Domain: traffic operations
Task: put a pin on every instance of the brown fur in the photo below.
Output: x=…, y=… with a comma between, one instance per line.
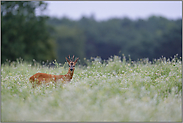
x=39, y=78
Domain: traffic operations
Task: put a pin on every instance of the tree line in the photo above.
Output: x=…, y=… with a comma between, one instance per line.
x=44, y=38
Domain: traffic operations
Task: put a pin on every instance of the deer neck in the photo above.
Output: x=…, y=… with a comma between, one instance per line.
x=70, y=74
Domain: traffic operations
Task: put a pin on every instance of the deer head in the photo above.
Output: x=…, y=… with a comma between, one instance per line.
x=71, y=63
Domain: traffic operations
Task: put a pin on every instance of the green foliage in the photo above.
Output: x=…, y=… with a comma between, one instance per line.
x=70, y=41
x=117, y=89
x=44, y=39
x=150, y=38
x=24, y=34
x=170, y=42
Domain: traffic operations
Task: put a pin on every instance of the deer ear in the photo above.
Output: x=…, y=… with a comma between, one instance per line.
x=67, y=60
x=76, y=60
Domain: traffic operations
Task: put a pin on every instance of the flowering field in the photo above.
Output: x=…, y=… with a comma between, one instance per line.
x=112, y=90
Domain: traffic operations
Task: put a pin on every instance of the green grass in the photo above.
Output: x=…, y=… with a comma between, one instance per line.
x=115, y=90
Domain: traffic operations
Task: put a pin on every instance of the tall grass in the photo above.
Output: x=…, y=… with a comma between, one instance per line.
x=112, y=90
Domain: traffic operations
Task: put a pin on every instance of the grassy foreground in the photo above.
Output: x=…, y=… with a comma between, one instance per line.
x=115, y=90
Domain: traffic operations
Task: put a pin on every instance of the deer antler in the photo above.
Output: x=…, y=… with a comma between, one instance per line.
x=69, y=58
x=73, y=58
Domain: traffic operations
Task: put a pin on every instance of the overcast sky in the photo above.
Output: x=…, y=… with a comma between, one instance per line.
x=103, y=10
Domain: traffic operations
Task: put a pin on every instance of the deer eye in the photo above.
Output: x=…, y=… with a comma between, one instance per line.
x=72, y=65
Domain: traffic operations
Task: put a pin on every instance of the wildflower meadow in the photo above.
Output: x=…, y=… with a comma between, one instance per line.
x=117, y=89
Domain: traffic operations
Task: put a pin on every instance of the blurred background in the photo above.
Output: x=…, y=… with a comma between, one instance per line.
x=44, y=31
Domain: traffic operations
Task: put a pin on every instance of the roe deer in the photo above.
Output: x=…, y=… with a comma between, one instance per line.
x=39, y=78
